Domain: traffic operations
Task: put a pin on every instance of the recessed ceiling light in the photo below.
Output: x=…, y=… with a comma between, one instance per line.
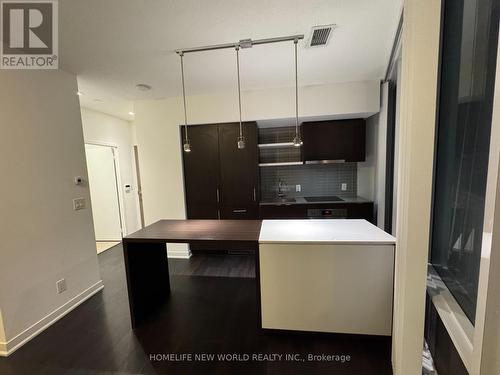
x=142, y=87
x=131, y=113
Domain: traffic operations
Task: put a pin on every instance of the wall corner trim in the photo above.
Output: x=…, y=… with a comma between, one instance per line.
x=9, y=347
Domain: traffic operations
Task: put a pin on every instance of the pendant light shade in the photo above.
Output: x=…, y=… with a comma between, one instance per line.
x=297, y=141
x=187, y=144
x=241, y=138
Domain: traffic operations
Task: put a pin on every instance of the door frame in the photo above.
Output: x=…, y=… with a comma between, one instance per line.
x=118, y=179
x=138, y=183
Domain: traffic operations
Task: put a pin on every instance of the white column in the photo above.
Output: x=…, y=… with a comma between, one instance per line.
x=486, y=351
x=420, y=50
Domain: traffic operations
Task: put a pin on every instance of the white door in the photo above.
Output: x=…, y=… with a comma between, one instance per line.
x=104, y=192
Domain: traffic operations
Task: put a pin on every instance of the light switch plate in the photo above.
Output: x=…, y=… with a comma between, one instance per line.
x=78, y=204
x=61, y=286
x=298, y=188
x=344, y=187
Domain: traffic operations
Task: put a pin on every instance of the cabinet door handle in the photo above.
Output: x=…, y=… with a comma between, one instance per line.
x=218, y=195
x=254, y=195
x=239, y=211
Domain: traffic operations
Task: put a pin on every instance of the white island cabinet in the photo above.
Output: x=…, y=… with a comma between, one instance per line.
x=326, y=276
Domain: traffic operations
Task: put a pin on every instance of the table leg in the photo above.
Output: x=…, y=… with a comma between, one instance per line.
x=148, y=283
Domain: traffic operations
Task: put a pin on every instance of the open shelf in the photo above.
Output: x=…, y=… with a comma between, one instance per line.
x=275, y=148
x=276, y=145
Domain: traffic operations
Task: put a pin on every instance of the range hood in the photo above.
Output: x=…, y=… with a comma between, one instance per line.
x=336, y=161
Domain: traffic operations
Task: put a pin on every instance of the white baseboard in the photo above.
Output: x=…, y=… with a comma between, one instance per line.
x=9, y=347
x=178, y=250
x=179, y=254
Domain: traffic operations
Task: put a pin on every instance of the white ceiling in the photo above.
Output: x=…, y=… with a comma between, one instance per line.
x=114, y=44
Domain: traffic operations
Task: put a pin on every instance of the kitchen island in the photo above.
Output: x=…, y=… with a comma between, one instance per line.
x=312, y=275
x=326, y=276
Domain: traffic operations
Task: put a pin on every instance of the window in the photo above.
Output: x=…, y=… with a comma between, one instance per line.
x=467, y=76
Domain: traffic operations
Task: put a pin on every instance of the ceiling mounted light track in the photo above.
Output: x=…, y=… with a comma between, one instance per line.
x=243, y=43
x=187, y=144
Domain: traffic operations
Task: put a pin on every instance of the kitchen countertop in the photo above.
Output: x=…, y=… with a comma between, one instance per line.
x=323, y=231
x=301, y=200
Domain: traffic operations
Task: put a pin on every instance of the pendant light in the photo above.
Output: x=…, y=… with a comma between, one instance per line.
x=241, y=139
x=187, y=144
x=297, y=141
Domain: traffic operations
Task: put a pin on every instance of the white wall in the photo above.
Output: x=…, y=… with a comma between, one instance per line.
x=101, y=128
x=367, y=169
x=397, y=150
x=43, y=239
x=371, y=173
x=418, y=81
x=2, y=330
x=158, y=136
x=380, y=173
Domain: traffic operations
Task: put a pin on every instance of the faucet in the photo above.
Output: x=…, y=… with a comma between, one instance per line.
x=281, y=192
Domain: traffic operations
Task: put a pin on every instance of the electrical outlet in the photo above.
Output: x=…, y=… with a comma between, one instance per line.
x=298, y=188
x=78, y=204
x=61, y=286
x=344, y=187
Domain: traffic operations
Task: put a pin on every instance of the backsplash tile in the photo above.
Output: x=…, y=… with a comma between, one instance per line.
x=280, y=155
x=315, y=180
x=277, y=134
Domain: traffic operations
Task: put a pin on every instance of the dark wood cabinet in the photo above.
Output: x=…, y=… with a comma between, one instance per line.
x=249, y=212
x=336, y=140
x=291, y=211
x=220, y=180
x=239, y=173
x=361, y=210
x=201, y=172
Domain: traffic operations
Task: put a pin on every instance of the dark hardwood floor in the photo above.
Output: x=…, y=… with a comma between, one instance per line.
x=215, y=266
x=205, y=314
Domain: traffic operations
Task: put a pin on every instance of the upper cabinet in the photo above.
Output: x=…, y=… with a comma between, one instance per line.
x=336, y=140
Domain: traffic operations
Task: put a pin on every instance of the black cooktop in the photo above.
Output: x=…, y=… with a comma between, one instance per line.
x=332, y=198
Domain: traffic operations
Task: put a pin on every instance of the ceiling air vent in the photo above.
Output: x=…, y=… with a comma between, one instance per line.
x=321, y=35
